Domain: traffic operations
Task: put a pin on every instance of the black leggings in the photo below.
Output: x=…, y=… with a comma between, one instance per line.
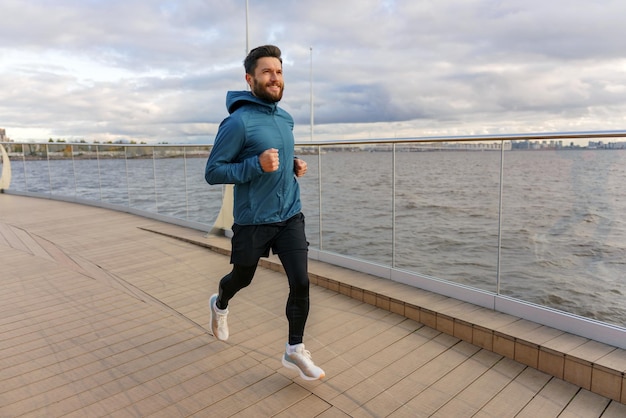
x=297, y=309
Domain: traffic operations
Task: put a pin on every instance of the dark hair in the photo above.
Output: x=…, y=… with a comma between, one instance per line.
x=260, y=52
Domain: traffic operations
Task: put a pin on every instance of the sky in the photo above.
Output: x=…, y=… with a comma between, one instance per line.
x=157, y=71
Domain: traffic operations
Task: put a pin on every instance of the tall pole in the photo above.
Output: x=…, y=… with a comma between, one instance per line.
x=247, y=34
x=311, y=82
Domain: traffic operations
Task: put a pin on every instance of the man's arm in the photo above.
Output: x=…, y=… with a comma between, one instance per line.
x=223, y=166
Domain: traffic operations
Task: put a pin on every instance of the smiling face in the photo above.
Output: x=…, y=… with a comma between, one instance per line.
x=267, y=81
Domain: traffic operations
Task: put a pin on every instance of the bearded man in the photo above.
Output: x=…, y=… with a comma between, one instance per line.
x=254, y=150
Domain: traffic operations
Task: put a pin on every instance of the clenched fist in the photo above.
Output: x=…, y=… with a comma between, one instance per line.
x=299, y=167
x=269, y=160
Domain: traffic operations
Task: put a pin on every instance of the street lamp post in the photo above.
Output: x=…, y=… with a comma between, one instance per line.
x=311, y=82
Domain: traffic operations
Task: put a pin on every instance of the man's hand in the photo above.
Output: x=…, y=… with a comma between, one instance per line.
x=299, y=167
x=269, y=160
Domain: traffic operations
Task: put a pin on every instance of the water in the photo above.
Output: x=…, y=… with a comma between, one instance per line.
x=563, y=229
x=563, y=226
x=168, y=186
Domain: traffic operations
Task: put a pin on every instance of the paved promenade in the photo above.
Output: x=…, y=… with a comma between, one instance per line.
x=104, y=313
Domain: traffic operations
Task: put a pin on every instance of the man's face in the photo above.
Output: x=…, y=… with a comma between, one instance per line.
x=267, y=82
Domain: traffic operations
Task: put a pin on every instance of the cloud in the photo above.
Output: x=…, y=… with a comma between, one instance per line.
x=158, y=71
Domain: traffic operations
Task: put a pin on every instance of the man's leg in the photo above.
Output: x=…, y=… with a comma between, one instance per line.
x=237, y=279
x=297, y=309
x=233, y=282
x=249, y=243
x=292, y=249
x=296, y=357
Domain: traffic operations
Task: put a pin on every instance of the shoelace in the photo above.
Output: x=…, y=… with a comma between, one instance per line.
x=221, y=319
x=306, y=355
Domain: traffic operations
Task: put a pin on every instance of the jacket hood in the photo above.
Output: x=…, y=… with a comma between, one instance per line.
x=236, y=99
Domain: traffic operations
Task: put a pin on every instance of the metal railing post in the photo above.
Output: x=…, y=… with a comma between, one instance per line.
x=393, y=206
x=49, y=171
x=500, y=218
x=74, y=171
x=99, y=175
x=186, y=187
x=319, y=180
x=127, y=176
x=156, y=191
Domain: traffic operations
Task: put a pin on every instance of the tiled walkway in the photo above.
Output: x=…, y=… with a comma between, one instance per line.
x=104, y=313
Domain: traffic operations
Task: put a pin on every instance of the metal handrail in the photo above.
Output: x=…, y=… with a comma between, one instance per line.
x=584, y=135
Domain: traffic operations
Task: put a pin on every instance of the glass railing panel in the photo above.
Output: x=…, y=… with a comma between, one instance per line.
x=356, y=184
x=36, y=169
x=181, y=190
x=139, y=161
x=171, y=181
x=203, y=200
x=85, y=161
x=113, y=174
x=447, y=211
x=61, y=169
x=310, y=192
x=564, y=234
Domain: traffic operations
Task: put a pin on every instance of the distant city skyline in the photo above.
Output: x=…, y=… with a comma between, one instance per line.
x=495, y=145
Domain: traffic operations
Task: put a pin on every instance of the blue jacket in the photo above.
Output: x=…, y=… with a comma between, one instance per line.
x=254, y=126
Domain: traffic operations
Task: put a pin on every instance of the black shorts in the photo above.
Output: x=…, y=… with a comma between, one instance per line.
x=251, y=242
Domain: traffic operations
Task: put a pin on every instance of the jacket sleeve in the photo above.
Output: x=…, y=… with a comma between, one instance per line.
x=225, y=166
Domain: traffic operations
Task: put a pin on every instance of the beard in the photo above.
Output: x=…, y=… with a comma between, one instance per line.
x=261, y=92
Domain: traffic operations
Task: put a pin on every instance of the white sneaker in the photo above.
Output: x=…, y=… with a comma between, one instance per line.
x=219, y=326
x=301, y=361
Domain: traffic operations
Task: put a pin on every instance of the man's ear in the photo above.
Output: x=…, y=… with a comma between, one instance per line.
x=249, y=79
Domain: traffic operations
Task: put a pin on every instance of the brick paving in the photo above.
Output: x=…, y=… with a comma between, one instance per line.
x=104, y=313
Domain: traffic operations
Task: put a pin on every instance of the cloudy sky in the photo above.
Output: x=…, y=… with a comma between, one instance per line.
x=158, y=70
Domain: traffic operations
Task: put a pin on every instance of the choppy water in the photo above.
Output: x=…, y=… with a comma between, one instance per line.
x=563, y=239
x=563, y=223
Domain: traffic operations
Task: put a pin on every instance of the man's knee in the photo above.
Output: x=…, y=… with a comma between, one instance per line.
x=243, y=274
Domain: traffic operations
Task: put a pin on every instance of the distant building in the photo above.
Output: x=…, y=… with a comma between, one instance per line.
x=608, y=145
x=3, y=135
